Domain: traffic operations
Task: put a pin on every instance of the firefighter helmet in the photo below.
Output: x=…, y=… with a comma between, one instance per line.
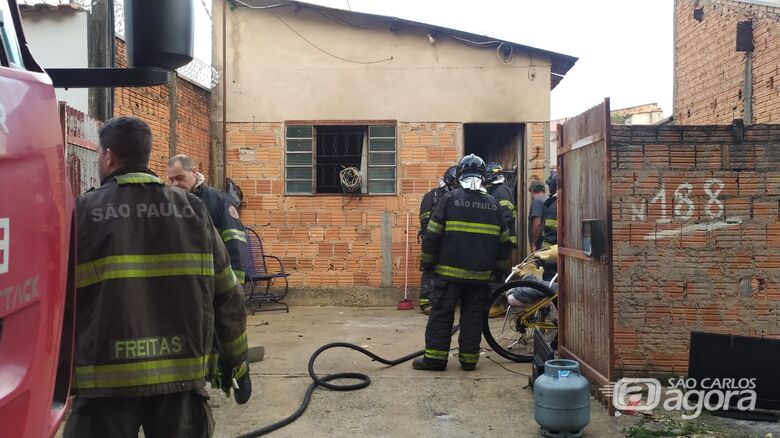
x=552, y=182
x=450, y=176
x=494, y=173
x=472, y=166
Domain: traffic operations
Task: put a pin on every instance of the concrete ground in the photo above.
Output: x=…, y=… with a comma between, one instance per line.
x=400, y=402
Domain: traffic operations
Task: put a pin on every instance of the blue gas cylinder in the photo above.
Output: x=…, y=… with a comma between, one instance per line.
x=562, y=399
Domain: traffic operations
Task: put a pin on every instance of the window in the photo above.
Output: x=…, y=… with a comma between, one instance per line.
x=10, y=54
x=316, y=155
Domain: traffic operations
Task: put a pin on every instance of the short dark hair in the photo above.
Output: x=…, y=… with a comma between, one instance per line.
x=129, y=138
x=536, y=187
x=185, y=161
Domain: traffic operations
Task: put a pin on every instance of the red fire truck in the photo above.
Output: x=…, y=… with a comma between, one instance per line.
x=37, y=246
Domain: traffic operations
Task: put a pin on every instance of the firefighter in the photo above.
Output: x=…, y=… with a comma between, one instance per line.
x=550, y=226
x=182, y=173
x=427, y=206
x=154, y=288
x=496, y=187
x=466, y=240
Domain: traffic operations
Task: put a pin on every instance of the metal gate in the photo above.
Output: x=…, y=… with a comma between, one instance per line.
x=584, y=238
x=81, y=139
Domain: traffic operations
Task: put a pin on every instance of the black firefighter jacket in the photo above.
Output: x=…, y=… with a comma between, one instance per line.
x=467, y=237
x=154, y=286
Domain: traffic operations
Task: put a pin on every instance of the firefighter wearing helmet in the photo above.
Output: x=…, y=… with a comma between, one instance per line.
x=496, y=186
x=448, y=182
x=465, y=242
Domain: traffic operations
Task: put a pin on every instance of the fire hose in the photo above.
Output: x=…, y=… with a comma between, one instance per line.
x=324, y=381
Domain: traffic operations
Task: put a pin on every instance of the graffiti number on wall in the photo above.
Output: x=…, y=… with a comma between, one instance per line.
x=683, y=206
x=713, y=198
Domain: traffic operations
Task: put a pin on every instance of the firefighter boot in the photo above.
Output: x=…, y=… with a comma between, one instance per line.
x=425, y=364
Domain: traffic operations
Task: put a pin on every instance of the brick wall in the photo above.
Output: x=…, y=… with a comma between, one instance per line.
x=696, y=239
x=335, y=240
x=709, y=72
x=152, y=104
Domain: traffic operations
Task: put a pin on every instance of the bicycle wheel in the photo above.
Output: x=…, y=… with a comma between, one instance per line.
x=507, y=334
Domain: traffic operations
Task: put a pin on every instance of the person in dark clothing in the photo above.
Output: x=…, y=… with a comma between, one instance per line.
x=426, y=210
x=466, y=240
x=550, y=226
x=496, y=187
x=183, y=174
x=535, y=215
x=154, y=290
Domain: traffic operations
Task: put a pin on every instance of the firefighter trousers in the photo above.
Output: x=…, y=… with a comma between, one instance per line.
x=473, y=299
x=181, y=414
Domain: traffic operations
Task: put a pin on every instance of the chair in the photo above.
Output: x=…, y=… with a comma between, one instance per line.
x=257, y=272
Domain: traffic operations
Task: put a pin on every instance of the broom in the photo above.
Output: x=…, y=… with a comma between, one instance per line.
x=406, y=303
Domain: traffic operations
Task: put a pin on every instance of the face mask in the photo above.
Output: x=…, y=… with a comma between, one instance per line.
x=472, y=183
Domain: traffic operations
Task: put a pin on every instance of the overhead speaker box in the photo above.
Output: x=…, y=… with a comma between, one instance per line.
x=158, y=33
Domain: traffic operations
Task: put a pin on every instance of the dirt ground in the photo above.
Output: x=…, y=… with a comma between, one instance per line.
x=400, y=402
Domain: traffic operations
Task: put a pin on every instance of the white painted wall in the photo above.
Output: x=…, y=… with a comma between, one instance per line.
x=58, y=39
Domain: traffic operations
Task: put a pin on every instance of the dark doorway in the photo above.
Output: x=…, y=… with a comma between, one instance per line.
x=499, y=142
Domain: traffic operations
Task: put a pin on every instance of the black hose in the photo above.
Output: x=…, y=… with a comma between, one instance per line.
x=324, y=381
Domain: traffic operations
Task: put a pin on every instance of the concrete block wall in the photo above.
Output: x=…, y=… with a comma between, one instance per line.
x=153, y=105
x=336, y=240
x=696, y=239
x=710, y=73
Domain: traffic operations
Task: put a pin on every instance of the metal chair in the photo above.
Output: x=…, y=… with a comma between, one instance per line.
x=257, y=272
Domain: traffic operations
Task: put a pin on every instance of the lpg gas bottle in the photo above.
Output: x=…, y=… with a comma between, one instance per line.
x=562, y=399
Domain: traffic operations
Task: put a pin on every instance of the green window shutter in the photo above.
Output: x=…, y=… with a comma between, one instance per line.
x=381, y=159
x=299, y=159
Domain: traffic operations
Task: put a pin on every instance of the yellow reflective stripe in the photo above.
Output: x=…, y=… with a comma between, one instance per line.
x=436, y=354
x=451, y=271
x=141, y=373
x=505, y=237
x=233, y=234
x=435, y=227
x=427, y=258
x=425, y=215
x=473, y=227
x=552, y=223
x=235, y=347
x=506, y=204
x=140, y=266
x=240, y=275
x=225, y=280
x=424, y=301
x=468, y=357
x=137, y=178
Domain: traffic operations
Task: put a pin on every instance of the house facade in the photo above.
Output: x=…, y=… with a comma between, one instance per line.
x=725, y=62
x=320, y=90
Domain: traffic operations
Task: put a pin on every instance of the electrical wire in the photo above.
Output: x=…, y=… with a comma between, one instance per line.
x=278, y=5
x=502, y=366
x=205, y=8
x=325, y=51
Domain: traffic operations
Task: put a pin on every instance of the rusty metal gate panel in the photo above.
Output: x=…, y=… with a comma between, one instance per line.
x=81, y=140
x=586, y=311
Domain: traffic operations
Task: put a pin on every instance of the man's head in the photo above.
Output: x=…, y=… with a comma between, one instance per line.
x=124, y=142
x=536, y=189
x=182, y=172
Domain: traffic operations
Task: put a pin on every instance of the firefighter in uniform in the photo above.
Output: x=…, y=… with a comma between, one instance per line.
x=427, y=206
x=182, y=173
x=550, y=226
x=497, y=188
x=466, y=240
x=154, y=288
